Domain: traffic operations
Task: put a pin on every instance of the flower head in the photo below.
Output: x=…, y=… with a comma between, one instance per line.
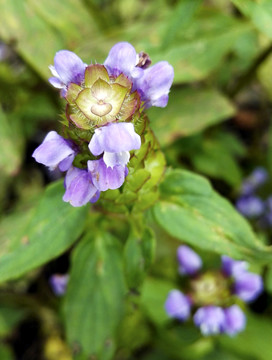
x=251, y=206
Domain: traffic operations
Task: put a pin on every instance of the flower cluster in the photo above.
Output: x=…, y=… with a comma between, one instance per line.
x=213, y=295
x=250, y=204
x=104, y=103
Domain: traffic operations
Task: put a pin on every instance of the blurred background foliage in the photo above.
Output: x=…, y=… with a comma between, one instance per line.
x=217, y=124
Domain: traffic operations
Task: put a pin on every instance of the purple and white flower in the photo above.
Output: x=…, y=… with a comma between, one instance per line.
x=55, y=151
x=68, y=68
x=189, y=261
x=178, y=305
x=104, y=177
x=79, y=187
x=115, y=141
x=235, y=320
x=210, y=320
x=152, y=83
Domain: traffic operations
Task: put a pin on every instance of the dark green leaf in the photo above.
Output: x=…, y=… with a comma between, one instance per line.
x=93, y=305
x=47, y=232
x=191, y=211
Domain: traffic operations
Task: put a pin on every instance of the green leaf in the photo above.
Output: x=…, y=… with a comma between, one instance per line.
x=259, y=12
x=48, y=231
x=11, y=144
x=138, y=256
x=191, y=211
x=57, y=24
x=190, y=111
x=93, y=305
x=154, y=294
x=255, y=341
x=9, y=317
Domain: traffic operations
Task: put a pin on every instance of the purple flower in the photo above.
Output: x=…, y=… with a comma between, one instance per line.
x=68, y=68
x=55, y=151
x=105, y=177
x=115, y=141
x=59, y=283
x=123, y=58
x=79, y=187
x=152, y=83
x=250, y=206
x=248, y=286
x=235, y=320
x=258, y=177
x=232, y=267
x=178, y=305
x=210, y=320
x=189, y=261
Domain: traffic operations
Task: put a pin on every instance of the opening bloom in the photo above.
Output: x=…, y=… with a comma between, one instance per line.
x=79, y=187
x=68, y=68
x=55, y=151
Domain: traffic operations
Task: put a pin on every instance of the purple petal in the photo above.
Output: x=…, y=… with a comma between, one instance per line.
x=189, y=261
x=115, y=138
x=56, y=82
x=258, y=177
x=178, y=305
x=155, y=84
x=250, y=206
x=122, y=58
x=69, y=67
x=235, y=320
x=232, y=267
x=248, y=286
x=79, y=187
x=104, y=177
x=59, y=283
x=210, y=320
x=54, y=151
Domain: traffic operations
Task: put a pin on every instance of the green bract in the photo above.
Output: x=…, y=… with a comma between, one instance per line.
x=101, y=99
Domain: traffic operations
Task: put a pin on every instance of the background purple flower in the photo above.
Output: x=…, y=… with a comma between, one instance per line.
x=257, y=178
x=248, y=286
x=68, y=68
x=59, y=283
x=189, y=261
x=55, y=151
x=232, y=267
x=250, y=206
x=210, y=320
x=235, y=320
x=178, y=305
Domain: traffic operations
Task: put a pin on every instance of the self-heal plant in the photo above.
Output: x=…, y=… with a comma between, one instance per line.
x=105, y=119
x=214, y=296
